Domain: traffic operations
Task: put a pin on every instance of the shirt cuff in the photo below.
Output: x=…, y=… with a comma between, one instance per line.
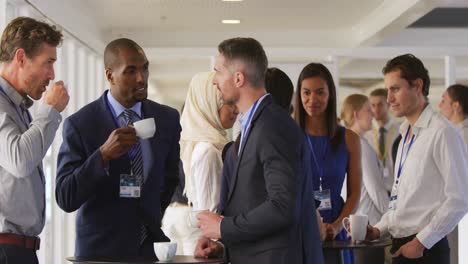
x=428, y=238
x=383, y=228
x=49, y=111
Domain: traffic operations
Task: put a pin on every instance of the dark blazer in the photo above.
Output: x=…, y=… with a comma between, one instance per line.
x=107, y=225
x=268, y=216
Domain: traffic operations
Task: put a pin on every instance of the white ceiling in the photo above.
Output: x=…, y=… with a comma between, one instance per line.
x=180, y=36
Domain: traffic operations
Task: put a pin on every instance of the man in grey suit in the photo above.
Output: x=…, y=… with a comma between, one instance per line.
x=28, y=50
x=262, y=221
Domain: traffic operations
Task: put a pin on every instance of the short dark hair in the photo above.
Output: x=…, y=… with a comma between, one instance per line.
x=27, y=34
x=411, y=68
x=379, y=92
x=278, y=84
x=251, y=53
x=319, y=70
x=112, y=50
x=459, y=93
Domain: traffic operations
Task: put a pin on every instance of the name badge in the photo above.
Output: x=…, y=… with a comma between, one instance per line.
x=129, y=186
x=324, y=196
x=392, y=204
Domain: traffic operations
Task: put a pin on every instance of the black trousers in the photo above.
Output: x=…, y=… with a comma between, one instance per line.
x=438, y=254
x=10, y=254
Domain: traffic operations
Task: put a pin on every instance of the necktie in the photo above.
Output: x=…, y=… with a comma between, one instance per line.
x=382, y=141
x=136, y=160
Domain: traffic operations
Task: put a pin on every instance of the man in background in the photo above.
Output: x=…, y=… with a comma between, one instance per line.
x=383, y=134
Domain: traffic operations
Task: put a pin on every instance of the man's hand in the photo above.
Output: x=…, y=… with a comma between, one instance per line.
x=119, y=142
x=57, y=96
x=331, y=230
x=372, y=233
x=210, y=224
x=207, y=248
x=411, y=250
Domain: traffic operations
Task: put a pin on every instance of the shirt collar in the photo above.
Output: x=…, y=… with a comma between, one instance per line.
x=15, y=97
x=118, y=108
x=422, y=122
x=243, y=117
x=387, y=125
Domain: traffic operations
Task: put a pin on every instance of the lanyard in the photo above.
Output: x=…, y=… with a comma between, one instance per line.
x=16, y=109
x=402, y=162
x=383, y=155
x=247, y=123
x=319, y=168
x=131, y=154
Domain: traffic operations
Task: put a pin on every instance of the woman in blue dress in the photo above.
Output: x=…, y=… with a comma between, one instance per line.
x=335, y=153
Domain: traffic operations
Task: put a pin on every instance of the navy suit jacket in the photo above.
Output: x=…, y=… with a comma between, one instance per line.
x=107, y=225
x=268, y=201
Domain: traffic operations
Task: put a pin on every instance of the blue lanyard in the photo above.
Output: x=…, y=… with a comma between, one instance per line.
x=319, y=168
x=247, y=124
x=131, y=154
x=402, y=152
x=16, y=109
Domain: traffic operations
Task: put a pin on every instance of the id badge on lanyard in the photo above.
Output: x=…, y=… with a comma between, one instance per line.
x=394, y=194
x=324, y=196
x=129, y=186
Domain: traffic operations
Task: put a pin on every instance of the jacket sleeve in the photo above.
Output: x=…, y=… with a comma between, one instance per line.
x=171, y=175
x=78, y=174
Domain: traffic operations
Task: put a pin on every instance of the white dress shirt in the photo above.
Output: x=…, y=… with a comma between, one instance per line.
x=433, y=182
x=206, y=169
x=374, y=198
x=391, y=133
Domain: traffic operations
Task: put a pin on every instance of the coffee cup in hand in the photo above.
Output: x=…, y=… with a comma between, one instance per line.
x=192, y=218
x=57, y=96
x=145, y=128
x=358, y=226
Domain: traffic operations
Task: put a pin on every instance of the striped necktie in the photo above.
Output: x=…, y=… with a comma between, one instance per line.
x=136, y=160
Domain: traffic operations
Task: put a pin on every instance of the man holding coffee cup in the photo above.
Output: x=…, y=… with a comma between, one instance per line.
x=428, y=196
x=28, y=50
x=112, y=169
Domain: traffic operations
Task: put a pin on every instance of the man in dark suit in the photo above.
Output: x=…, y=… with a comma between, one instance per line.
x=101, y=156
x=265, y=217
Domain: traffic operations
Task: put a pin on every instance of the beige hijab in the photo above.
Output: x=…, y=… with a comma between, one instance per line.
x=200, y=121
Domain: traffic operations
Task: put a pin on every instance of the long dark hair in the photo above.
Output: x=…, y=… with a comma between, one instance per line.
x=319, y=70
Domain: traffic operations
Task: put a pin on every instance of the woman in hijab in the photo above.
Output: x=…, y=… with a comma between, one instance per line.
x=204, y=122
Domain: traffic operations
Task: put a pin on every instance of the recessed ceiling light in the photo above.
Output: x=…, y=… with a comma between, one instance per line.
x=233, y=0
x=231, y=21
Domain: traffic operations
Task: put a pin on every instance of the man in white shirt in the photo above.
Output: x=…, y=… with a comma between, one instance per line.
x=427, y=199
x=383, y=134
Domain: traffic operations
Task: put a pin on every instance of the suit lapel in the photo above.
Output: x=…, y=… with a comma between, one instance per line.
x=266, y=101
x=107, y=122
x=107, y=119
x=150, y=113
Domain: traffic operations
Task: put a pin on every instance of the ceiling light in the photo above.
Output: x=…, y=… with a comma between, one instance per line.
x=231, y=21
x=233, y=0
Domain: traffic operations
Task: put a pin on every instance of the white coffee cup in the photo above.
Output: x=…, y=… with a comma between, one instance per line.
x=145, y=128
x=358, y=226
x=192, y=218
x=165, y=251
